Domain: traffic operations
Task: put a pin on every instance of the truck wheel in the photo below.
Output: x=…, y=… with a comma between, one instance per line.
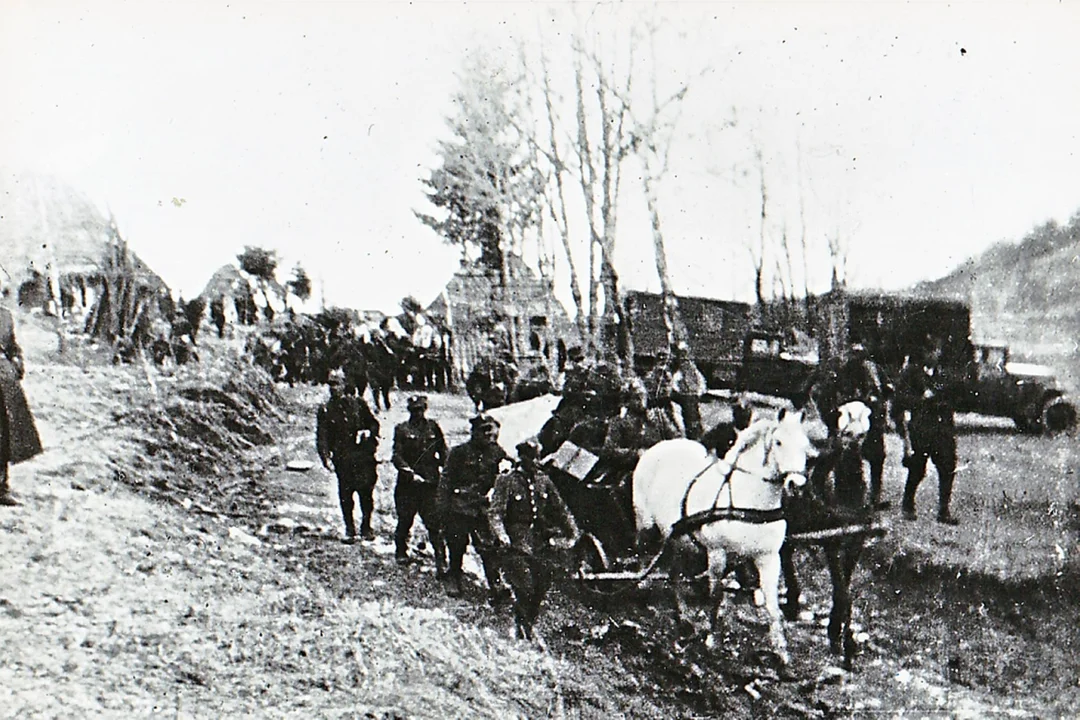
x=1058, y=416
x=1027, y=425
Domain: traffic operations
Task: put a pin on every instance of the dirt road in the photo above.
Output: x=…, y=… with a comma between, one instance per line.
x=125, y=594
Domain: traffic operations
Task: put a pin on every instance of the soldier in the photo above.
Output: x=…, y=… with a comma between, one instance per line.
x=660, y=385
x=923, y=411
x=490, y=383
x=527, y=514
x=466, y=481
x=722, y=436
x=637, y=430
x=628, y=436
x=839, y=382
x=347, y=436
x=575, y=374
x=419, y=454
x=19, y=439
x=567, y=414
x=687, y=387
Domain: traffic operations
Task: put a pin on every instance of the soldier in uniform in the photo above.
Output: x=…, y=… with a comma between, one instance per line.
x=527, y=514
x=419, y=454
x=721, y=437
x=467, y=478
x=637, y=430
x=923, y=411
x=687, y=387
x=660, y=385
x=492, y=381
x=575, y=374
x=842, y=381
x=347, y=436
x=567, y=414
x=628, y=436
x=19, y=439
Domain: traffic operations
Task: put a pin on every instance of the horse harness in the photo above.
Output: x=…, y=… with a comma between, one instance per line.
x=692, y=522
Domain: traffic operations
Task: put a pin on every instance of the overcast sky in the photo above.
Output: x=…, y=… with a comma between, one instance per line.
x=919, y=132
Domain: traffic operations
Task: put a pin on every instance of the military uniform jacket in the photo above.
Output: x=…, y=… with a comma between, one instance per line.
x=419, y=451
x=530, y=509
x=688, y=380
x=339, y=426
x=468, y=477
x=631, y=433
x=23, y=440
x=660, y=383
x=927, y=393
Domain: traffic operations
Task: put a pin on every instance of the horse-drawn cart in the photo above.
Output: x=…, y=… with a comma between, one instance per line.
x=708, y=509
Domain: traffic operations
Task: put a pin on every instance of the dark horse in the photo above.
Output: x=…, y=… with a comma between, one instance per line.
x=835, y=510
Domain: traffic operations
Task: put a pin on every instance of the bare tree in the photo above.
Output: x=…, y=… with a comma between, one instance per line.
x=838, y=254
x=652, y=141
x=757, y=248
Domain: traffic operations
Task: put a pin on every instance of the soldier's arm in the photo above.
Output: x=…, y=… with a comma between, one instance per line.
x=564, y=517
x=500, y=496
x=903, y=401
x=397, y=456
x=440, y=444
x=13, y=351
x=322, y=444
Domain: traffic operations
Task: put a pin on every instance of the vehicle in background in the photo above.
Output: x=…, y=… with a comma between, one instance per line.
x=1026, y=392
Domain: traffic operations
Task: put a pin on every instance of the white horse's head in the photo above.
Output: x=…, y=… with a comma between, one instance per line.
x=854, y=421
x=781, y=445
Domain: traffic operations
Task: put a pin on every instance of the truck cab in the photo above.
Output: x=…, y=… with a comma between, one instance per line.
x=1028, y=393
x=771, y=366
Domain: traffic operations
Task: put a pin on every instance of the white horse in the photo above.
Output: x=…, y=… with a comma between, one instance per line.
x=727, y=506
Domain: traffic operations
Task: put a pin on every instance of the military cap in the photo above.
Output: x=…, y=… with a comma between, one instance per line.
x=417, y=402
x=528, y=449
x=484, y=422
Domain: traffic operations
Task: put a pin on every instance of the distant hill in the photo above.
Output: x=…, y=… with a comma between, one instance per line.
x=35, y=207
x=1025, y=293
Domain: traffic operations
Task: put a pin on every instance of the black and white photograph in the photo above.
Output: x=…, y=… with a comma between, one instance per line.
x=406, y=360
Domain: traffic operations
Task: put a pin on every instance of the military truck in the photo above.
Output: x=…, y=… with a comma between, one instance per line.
x=1026, y=392
x=896, y=328
x=772, y=365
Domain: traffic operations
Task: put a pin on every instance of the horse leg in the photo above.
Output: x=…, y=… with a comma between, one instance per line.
x=680, y=570
x=768, y=566
x=717, y=568
x=792, y=605
x=842, y=559
x=854, y=551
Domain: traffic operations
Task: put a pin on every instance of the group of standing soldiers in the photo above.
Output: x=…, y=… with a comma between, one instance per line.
x=921, y=407
x=472, y=493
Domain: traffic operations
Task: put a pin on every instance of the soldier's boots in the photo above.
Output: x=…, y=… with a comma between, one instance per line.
x=454, y=587
x=947, y=518
x=401, y=551
x=6, y=500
